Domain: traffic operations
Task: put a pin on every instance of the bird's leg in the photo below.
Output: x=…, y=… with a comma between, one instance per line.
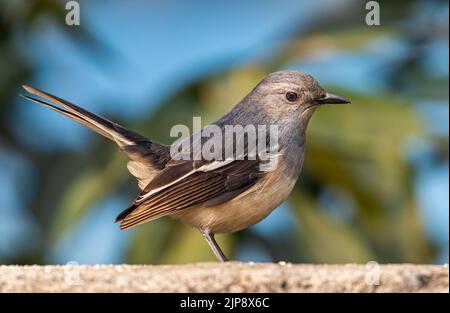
x=213, y=245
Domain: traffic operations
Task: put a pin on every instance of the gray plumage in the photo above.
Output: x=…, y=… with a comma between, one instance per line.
x=212, y=195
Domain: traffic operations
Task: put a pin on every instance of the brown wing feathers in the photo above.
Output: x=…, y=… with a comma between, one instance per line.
x=171, y=198
x=172, y=201
x=208, y=188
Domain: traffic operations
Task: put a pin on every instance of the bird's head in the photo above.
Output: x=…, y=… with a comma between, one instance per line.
x=291, y=94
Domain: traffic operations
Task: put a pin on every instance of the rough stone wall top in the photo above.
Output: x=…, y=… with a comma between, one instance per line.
x=228, y=277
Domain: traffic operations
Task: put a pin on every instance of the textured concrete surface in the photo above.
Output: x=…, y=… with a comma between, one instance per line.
x=229, y=277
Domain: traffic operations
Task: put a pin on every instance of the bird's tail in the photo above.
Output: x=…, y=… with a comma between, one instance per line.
x=147, y=157
x=122, y=136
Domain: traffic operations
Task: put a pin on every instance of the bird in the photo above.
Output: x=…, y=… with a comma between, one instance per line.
x=215, y=195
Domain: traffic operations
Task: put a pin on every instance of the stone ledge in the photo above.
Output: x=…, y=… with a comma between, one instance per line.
x=228, y=277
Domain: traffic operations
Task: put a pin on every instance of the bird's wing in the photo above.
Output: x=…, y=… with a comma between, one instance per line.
x=191, y=183
x=147, y=157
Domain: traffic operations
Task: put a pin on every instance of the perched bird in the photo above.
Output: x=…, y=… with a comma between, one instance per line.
x=215, y=196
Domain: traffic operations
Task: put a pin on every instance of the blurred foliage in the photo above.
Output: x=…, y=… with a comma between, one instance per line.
x=355, y=149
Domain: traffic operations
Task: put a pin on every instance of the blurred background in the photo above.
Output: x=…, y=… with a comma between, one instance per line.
x=376, y=176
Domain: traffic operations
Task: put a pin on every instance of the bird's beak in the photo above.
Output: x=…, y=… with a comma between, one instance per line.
x=331, y=98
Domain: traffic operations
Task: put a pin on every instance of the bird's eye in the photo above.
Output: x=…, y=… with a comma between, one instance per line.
x=291, y=96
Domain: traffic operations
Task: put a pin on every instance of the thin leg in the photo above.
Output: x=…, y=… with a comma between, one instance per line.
x=213, y=245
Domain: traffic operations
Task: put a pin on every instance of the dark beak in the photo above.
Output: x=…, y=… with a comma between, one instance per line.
x=331, y=98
